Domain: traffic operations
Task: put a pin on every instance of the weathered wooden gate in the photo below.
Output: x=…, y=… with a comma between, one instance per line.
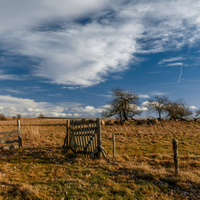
x=84, y=137
x=9, y=134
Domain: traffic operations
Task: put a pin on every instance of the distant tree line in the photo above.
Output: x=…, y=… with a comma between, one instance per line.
x=125, y=104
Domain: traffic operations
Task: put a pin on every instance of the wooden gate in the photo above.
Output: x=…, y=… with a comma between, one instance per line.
x=84, y=137
x=9, y=134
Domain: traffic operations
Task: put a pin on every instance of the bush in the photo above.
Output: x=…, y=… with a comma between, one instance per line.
x=2, y=117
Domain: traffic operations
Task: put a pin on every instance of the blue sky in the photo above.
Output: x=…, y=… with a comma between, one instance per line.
x=62, y=58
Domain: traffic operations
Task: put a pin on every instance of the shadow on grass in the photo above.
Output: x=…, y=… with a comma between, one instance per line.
x=45, y=155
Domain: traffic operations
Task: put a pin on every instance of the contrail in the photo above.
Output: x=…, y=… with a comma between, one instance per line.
x=180, y=74
x=181, y=70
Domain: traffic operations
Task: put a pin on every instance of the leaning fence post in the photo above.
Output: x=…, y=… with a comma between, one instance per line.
x=175, y=150
x=19, y=133
x=67, y=136
x=113, y=137
x=66, y=141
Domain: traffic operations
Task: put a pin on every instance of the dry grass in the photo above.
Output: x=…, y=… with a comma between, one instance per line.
x=143, y=167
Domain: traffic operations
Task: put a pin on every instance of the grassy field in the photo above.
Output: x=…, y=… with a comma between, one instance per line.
x=143, y=167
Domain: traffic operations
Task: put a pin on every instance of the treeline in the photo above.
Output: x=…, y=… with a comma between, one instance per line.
x=125, y=104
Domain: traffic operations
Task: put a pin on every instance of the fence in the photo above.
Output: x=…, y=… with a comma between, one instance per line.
x=84, y=138
x=9, y=134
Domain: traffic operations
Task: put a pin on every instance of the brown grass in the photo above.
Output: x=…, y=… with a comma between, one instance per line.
x=143, y=167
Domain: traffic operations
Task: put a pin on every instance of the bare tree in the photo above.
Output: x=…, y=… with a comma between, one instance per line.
x=178, y=109
x=157, y=104
x=19, y=116
x=124, y=104
x=197, y=112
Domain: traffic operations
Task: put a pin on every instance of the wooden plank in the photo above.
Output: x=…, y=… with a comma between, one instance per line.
x=78, y=141
x=7, y=132
x=87, y=134
x=68, y=124
x=82, y=138
x=99, y=138
x=8, y=142
x=93, y=139
x=88, y=149
x=66, y=140
x=75, y=139
x=9, y=135
x=81, y=129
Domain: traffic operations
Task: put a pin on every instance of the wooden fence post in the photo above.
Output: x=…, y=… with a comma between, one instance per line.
x=113, y=137
x=99, y=138
x=67, y=129
x=66, y=141
x=19, y=133
x=175, y=150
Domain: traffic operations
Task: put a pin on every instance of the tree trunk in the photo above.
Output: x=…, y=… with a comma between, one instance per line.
x=125, y=116
x=159, y=114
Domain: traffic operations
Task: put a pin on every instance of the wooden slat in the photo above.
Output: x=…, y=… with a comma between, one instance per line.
x=99, y=138
x=93, y=139
x=7, y=132
x=8, y=142
x=82, y=139
x=76, y=129
x=83, y=134
x=9, y=135
x=79, y=141
x=89, y=139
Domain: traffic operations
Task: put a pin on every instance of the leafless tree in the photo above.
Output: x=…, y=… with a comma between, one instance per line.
x=124, y=104
x=178, y=109
x=19, y=116
x=197, y=112
x=157, y=104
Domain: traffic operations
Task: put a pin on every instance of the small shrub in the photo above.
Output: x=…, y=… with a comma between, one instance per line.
x=2, y=117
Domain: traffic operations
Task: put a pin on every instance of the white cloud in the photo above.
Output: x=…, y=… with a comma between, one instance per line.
x=144, y=96
x=193, y=107
x=164, y=61
x=174, y=64
x=11, y=106
x=145, y=103
x=158, y=93
x=87, y=110
x=78, y=54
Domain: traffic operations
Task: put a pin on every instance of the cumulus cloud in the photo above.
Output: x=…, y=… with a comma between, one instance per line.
x=193, y=107
x=11, y=106
x=80, y=43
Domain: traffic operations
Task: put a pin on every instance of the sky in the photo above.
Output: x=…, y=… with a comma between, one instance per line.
x=62, y=58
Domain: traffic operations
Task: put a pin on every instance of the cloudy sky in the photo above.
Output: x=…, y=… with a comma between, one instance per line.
x=62, y=58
